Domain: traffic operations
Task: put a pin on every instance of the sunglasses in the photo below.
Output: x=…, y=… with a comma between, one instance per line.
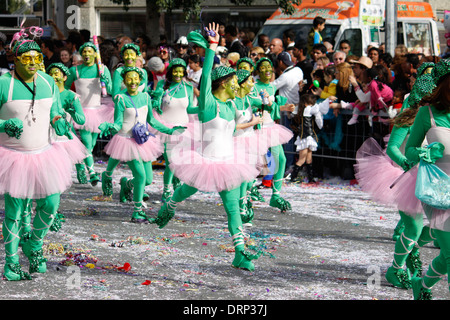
x=28, y=59
x=253, y=54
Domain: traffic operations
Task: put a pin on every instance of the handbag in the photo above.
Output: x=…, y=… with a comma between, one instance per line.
x=433, y=186
x=140, y=130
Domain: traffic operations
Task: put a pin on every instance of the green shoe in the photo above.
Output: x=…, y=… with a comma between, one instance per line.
x=419, y=292
x=57, y=222
x=414, y=264
x=24, y=238
x=126, y=193
x=94, y=179
x=243, y=260
x=247, y=218
x=166, y=196
x=256, y=195
x=107, y=186
x=176, y=183
x=399, y=278
x=280, y=203
x=139, y=217
x=81, y=175
x=164, y=216
x=36, y=257
x=13, y=272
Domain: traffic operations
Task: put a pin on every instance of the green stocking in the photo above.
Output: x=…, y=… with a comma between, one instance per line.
x=441, y=264
x=14, y=209
x=168, y=177
x=46, y=210
x=25, y=222
x=107, y=186
x=89, y=140
x=242, y=258
x=81, y=173
x=167, y=211
x=280, y=163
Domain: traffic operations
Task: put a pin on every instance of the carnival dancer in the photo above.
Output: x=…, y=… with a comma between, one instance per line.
x=248, y=117
x=172, y=104
x=390, y=178
x=216, y=163
x=133, y=106
x=129, y=53
x=433, y=123
x=276, y=134
x=31, y=167
x=87, y=79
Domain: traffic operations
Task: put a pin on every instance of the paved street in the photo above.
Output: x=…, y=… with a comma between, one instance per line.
x=334, y=245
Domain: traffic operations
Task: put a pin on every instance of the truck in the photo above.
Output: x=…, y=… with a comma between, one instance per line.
x=362, y=22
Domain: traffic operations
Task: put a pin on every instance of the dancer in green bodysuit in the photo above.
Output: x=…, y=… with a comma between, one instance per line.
x=31, y=167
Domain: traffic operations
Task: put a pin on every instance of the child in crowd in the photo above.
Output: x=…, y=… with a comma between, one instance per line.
x=330, y=84
x=309, y=112
x=378, y=96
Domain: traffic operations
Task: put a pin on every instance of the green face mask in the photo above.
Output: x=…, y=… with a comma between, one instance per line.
x=132, y=81
x=89, y=56
x=265, y=71
x=177, y=74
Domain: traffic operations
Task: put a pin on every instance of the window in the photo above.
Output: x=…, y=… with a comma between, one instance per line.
x=354, y=36
x=418, y=37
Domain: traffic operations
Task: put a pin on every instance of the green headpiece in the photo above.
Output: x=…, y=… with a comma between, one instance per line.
x=423, y=86
x=261, y=60
x=424, y=66
x=25, y=46
x=441, y=69
x=221, y=72
x=129, y=69
x=177, y=62
x=87, y=44
x=130, y=46
x=198, y=39
x=242, y=75
x=60, y=66
x=246, y=59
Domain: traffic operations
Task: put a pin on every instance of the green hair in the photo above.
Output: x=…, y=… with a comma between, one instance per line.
x=21, y=47
x=246, y=59
x=242, y=75
x=260, y=61
x=125, y=70
x=87, y=44
x=130, y=46
x=60, y=66
x=177, y=62
x=221, y=73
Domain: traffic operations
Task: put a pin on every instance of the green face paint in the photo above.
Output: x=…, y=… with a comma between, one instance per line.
x=129, y=57
x=231, y=87
x=28, y=64
x=132, y=81
x=248, y=85
x=245, y=66
x=57, y=75
x=89, y=56
x=177, y=74
x=265, y=71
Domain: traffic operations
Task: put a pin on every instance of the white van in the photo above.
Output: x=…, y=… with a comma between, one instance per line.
x=361, y=23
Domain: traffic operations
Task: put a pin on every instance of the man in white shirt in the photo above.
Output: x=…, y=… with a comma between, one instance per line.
x=287, y=86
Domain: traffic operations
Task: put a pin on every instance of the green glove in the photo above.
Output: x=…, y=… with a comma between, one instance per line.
x=406, y=165
x=12, y=127
x=62, y=128
x=432, y=152
x=106, y=129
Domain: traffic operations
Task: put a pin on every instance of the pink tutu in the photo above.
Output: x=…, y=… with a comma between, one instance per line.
x=35, y=175
x=95, y=117
x=212, y=175
x=126, y=149
x=276, y=134
x=75, y=149
x=256, y=143
x=107, y=101
x=376, y=173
